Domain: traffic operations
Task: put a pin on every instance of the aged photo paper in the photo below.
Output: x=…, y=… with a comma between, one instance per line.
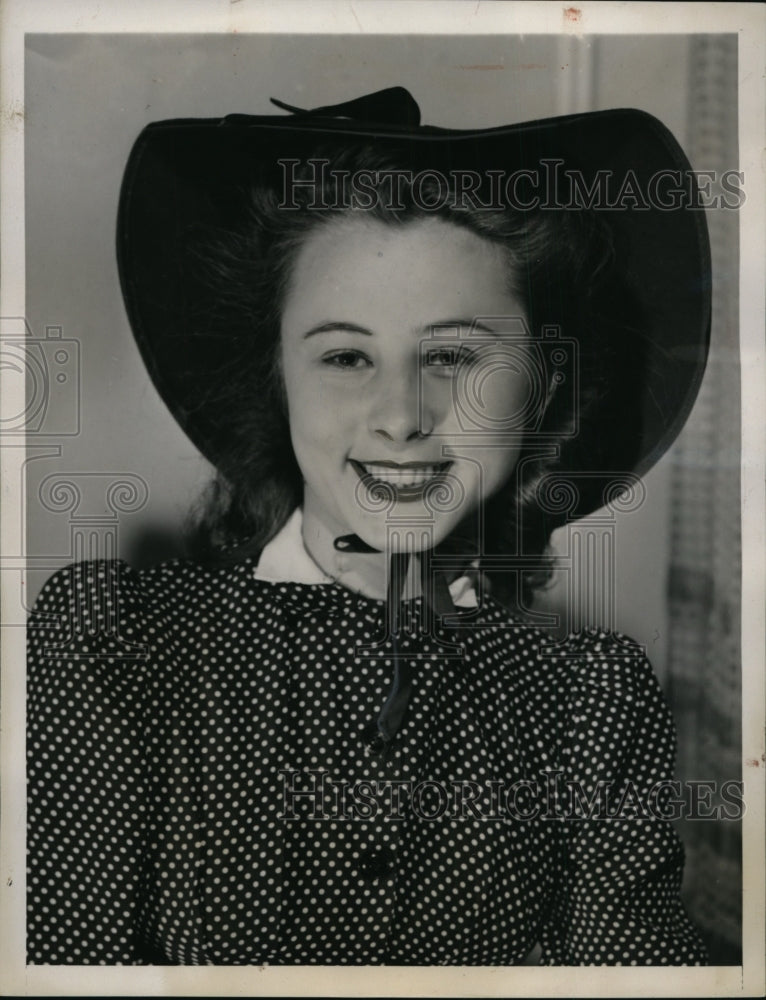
x=95, y=467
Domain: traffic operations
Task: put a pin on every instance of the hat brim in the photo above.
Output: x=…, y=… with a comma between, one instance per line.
x=190, y=172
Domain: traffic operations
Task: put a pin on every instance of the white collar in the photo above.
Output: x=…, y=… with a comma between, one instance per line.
x=285, y=560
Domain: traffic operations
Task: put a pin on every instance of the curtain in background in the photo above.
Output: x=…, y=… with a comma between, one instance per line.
x=701, y=671
x=704, y=665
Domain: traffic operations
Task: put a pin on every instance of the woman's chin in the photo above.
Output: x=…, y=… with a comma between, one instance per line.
x=403, y=533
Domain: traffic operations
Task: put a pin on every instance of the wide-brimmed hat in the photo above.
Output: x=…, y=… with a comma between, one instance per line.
x=188, y=174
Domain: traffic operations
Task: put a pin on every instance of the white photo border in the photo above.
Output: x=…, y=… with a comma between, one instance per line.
x=20, y=17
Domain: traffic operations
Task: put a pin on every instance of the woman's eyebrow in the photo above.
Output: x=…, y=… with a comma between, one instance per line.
x=444, y=325
x=334, y=325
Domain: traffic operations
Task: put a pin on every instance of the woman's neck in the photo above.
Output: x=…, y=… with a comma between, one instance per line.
x=362, y=572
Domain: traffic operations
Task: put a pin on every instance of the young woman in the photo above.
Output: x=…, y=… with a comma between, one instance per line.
x=334, y=735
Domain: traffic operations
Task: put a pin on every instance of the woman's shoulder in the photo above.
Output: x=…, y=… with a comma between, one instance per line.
x=117, y=579
x=92, y=588
x=95, y=606
x=605, y=658
x=591, y=705
x=586, y=668
x=610, y=679
x=599, y=654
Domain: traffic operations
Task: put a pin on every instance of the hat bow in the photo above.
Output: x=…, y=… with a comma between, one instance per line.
x=391, y=106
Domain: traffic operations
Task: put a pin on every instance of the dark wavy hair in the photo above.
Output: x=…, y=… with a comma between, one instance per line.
x=556, y=262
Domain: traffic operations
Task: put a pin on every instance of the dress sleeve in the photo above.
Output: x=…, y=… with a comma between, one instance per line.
x=86, y=669
x=622, y=860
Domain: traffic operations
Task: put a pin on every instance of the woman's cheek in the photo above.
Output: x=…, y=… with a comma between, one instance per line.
x=322, y=423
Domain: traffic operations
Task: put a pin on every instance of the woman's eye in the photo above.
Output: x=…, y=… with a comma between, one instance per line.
x=448, y=357
x=346, y=360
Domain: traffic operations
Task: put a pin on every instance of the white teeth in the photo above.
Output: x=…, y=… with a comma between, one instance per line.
x=404, y=477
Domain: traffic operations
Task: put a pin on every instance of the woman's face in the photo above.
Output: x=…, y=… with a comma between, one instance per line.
x=404, y=412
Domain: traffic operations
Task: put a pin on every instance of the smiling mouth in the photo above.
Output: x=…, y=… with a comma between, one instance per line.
x=408, y=480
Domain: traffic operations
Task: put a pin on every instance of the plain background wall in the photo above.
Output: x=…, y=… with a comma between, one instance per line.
x=87, y=98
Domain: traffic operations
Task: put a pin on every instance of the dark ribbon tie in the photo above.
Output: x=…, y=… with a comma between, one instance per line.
x=437, y=601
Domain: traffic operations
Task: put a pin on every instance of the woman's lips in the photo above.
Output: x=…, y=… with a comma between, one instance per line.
x=408, y=480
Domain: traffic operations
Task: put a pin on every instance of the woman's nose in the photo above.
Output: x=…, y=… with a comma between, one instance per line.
x=399, y=410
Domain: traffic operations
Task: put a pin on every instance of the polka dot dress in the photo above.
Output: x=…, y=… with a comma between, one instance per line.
x=203, y=789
